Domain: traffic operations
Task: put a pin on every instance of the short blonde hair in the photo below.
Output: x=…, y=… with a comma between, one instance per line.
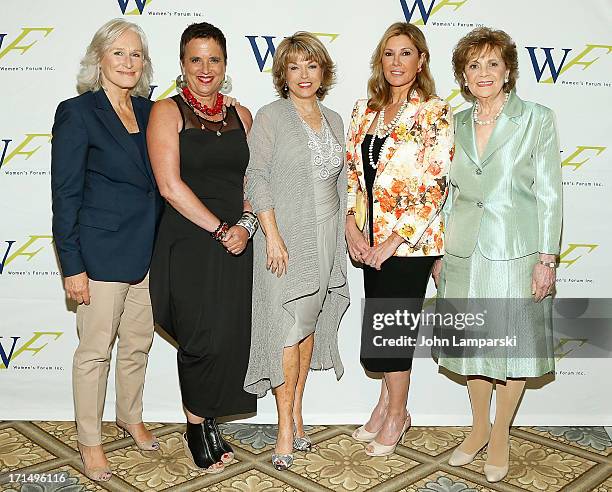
x=482, y=40
x=379, y=90
x=88, y=78
x=302, y=46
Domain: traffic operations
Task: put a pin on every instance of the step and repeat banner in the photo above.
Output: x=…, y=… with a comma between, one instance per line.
x=565, y=55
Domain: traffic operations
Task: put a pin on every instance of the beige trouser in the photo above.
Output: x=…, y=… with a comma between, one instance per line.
x=115, y=308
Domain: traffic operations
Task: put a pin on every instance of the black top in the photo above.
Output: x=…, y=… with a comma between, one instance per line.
x=139, y=140
x=369, y=173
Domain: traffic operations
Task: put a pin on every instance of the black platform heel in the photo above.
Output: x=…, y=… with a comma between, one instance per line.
x=198, y=448
x=220, y=448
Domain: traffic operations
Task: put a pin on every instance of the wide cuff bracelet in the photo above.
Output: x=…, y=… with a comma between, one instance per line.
x=249, y=222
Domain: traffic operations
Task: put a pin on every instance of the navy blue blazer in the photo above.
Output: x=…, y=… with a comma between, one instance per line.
x=105, y=200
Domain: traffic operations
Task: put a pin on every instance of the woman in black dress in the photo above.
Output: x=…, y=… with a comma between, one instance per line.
x=201, y=295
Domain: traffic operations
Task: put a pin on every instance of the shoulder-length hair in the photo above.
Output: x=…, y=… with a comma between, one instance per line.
x=379, y=90
x=473, y=44
x=306, y=46
x=89, y=79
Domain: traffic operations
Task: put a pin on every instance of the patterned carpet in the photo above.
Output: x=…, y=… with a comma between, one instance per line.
x=573, y=459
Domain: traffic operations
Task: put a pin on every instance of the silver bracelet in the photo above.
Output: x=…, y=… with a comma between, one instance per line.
x=249, y=222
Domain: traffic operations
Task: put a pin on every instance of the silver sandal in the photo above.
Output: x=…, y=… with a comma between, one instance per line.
x=282, y=461
x=302, y=443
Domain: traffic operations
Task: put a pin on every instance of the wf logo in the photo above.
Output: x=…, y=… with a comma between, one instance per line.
x=7, y=258
x=558, y=63
x=164, y=94
x=427, y=11
x=270, y=47
x=568, y=345
x=140, y=6
x=581, y=149
x=20, y=148
x=9, y=351
x=571, y=254
x=26, y=32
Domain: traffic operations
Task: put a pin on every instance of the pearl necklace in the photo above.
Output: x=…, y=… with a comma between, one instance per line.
x=383, y=131
x=494, y=119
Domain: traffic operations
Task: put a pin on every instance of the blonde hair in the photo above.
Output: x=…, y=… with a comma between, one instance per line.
x=482, y=40
x=88, y=78
x=302, y=45
x=379, y=90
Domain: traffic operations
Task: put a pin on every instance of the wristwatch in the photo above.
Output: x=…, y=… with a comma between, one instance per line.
x=550, y=264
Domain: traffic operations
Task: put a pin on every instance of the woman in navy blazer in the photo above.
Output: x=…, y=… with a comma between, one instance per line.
x=105, y=211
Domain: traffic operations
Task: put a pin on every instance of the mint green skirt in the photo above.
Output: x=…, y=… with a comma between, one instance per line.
x=479, y=277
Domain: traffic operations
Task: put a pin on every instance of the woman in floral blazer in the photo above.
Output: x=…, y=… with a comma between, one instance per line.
x=399, y=149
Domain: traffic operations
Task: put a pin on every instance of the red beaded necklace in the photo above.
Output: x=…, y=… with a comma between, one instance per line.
x=194, y=103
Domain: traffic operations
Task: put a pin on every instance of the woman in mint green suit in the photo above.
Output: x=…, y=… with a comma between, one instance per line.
x=503, y=226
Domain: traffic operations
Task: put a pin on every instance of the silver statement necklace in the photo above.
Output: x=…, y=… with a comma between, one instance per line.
x=478, y=121
x=324, y=147
x=384, y=130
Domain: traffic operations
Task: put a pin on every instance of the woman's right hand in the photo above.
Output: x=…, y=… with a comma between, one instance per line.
x=357, y=245
x=77, y=288
x=278, y=257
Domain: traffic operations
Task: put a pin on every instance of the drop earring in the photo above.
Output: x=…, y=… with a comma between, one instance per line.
x=226, y=87
x=180, y=82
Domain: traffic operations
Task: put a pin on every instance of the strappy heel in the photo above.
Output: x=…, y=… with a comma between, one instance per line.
x=148, y=445
x=99, y=474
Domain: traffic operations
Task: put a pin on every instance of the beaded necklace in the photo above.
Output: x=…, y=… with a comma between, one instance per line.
x=384, y=130
x=478, y=121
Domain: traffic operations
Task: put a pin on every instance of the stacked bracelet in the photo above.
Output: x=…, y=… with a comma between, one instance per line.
x=220, y=231
x=249, y=222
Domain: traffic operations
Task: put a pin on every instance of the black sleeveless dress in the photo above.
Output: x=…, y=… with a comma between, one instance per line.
x=201, y=294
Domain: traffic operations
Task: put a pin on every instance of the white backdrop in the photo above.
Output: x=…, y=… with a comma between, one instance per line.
x=41, y=43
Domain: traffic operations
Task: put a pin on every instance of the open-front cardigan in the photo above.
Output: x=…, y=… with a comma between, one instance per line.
x=280, y=177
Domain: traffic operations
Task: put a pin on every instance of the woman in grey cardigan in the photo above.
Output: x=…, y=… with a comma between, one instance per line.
x=297, y=185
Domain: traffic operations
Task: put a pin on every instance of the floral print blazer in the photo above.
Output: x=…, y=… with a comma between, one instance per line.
x=410, y=186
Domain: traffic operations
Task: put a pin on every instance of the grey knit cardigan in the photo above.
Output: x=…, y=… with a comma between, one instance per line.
x=280, y=177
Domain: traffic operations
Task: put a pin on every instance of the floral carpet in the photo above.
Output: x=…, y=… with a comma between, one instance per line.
x=42, y=457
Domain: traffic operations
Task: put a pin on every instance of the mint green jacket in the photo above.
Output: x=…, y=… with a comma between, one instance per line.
x=507, y=201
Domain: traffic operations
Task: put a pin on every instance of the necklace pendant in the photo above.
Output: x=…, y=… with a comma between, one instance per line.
x=203, y=127
x=218, y=133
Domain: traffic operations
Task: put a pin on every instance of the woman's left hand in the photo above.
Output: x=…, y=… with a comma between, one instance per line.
x=436, y=269
x=380, y=253
x=236, y=239
x=543, y=279
x=229, y=101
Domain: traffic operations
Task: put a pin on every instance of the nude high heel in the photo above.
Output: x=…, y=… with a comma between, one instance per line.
x=148, y=445
x=384, y=450
x=100, y=474
x=495, y=473
x=362, y=435
x=460, y=458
